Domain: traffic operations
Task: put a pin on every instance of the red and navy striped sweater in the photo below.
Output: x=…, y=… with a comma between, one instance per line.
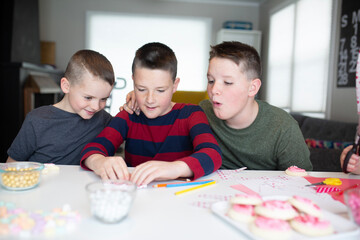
x=182, y=134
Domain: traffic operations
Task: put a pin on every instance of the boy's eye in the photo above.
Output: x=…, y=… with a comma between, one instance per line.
x=104, y=99
x=161, y=90
x=88, y=98
x=141, y=89
x=228, y=83
x=210, y=81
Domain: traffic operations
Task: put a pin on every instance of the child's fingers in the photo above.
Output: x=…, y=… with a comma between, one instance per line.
x=114, y=168
x=128, y=109
x=103, y=175
x=111, y=175
x=122, y=173
x=142, y=174
x=128, y=96
x=136, y=108
x=136, y=175
x=130, y=99
x=350, y=167
x=355, y=157
x=120, y=168
x=353, y=163
x=137, y=111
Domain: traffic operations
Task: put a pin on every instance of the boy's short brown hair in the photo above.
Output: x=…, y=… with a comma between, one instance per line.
x=156, y=56
x=242, y=54
x=89, y=61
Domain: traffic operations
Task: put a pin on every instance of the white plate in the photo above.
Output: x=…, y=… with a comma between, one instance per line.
x=344, y=229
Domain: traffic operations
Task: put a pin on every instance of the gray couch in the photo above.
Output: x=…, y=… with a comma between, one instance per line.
x=326, y=139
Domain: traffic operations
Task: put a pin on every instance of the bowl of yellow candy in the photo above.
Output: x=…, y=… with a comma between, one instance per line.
x=20, y=175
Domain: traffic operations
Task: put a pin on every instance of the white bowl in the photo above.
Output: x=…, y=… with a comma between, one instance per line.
x=111, y=200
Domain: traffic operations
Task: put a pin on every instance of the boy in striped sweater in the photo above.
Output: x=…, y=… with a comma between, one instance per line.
x=167, y=140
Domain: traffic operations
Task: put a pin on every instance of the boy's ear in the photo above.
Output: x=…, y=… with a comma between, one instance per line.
x=254, y=87
x=65, y=85
x=176, y=84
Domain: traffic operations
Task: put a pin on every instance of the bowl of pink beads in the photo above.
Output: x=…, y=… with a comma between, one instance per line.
x=20, y=175
x=352, y=199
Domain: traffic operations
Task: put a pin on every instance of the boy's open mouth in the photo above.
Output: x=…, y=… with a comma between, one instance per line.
x=216, y=104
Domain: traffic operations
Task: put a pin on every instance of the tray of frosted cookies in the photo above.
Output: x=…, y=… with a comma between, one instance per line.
x=283, y=217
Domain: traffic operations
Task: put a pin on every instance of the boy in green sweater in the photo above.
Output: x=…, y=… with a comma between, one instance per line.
x=251, y=133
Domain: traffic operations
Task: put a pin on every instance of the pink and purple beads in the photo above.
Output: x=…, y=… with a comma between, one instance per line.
x=20, y=222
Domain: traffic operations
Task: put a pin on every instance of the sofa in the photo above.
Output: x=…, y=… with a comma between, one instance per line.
x=326, y=139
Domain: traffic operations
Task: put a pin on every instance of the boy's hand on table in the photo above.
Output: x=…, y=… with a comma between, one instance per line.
x=354, y=162
x=108, y=167
x=131, y=105
x=159, y=170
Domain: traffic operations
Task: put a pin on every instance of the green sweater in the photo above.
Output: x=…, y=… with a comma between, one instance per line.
x=272, y=142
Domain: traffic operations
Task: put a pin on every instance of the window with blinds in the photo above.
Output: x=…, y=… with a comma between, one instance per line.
x=298, y=63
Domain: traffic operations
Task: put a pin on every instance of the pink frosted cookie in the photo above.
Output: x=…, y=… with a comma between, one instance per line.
x=242, y=213
x=247, y=199
x=311, y=226
x=269, y=228
x=276, y=209
x=295, y=171
x=306, y=205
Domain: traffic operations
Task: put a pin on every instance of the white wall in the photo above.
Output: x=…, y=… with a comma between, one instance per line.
x=63, y=21
x=341, y=102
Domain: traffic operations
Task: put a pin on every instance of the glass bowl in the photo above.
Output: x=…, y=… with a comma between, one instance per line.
x=352, y=199
x=111, y=200
x=20, y=175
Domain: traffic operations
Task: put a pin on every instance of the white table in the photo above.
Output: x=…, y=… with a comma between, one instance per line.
x=156, y=213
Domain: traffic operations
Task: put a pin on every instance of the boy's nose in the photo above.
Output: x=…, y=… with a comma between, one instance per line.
x=150, y=98
x=95, y=105
x=215, y=89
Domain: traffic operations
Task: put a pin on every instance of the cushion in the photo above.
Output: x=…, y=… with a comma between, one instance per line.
x=321, y=129
x=313, y=143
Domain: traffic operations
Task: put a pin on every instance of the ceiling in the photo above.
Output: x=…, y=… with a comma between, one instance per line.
x=224, y=2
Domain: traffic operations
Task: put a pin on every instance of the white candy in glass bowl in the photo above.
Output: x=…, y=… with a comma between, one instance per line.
x=111, y=200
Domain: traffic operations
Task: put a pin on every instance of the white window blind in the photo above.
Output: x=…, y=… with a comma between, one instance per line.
x=118, y=36
x=298, y=61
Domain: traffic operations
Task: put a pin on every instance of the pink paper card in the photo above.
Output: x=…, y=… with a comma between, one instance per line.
x=244, y=189
x=327, y=189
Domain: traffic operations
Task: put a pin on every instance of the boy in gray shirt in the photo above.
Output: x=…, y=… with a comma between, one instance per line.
x=57, y=133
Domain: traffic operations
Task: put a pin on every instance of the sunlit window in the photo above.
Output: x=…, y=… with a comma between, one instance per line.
x=298, y=61
x=118, y=36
